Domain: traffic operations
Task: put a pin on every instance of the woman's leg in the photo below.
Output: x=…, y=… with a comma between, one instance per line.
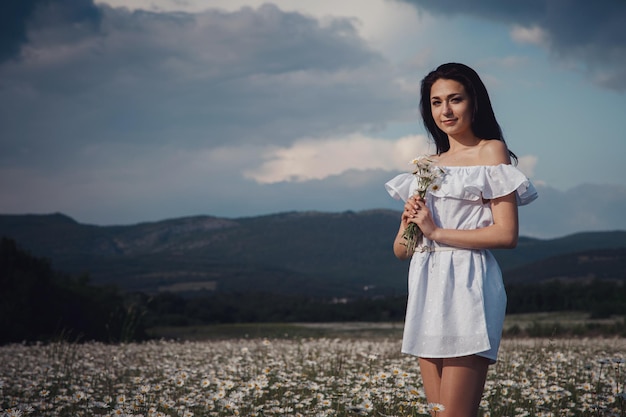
x=456, y=383
x=431, y=376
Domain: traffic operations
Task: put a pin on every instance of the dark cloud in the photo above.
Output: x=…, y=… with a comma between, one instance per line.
x=513, y=11
x=255, y=75
x=591, y=33
x=16, y=16
x=13, y=17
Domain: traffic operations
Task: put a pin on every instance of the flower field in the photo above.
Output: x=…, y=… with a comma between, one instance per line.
x=303, y=377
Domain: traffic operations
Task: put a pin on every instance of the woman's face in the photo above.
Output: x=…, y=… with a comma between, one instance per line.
x=451, y=107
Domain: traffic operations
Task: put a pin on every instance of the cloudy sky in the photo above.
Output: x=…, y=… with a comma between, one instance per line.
x=124, y=111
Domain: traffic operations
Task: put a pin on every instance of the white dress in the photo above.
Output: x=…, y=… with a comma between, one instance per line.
x=457, y=301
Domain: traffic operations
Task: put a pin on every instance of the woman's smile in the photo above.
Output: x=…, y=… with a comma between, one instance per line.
x=451, y=107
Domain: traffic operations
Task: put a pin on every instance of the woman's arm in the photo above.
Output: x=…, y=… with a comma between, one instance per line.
x=503, y=233
x=399, y=243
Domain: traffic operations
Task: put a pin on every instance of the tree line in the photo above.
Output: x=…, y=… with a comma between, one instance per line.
x=40, y=303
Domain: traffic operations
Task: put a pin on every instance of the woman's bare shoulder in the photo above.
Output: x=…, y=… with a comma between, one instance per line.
x=494, y=152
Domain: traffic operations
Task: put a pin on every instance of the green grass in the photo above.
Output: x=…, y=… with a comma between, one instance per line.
x=357, y=330
x=565, y=319
x=532, y=324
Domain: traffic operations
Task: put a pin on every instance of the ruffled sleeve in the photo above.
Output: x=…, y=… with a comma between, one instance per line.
x=486, y=182
x=500, y=180
x=402, y=186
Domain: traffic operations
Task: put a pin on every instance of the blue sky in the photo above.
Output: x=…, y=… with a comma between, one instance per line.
x=124, y=111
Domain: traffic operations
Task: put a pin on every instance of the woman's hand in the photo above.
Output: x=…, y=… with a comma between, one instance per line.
x=416, y=211
x=410, y=210
x=422, y=217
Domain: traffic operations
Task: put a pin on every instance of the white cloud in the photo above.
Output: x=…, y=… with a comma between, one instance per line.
x=533, y=35
x=527, y=164
x=314, y=159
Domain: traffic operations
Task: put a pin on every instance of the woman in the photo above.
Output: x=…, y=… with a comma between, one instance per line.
x=457, y=302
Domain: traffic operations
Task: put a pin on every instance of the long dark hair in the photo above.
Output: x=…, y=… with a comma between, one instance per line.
x=484, y=123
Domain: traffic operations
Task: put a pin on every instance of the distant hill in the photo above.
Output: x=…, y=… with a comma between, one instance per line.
x=580, y=267
x=330, y=254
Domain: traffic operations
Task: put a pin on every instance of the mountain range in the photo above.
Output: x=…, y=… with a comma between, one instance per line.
x=343, y=254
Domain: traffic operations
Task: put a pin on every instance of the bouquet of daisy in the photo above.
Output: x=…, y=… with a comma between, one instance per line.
x=429, y=177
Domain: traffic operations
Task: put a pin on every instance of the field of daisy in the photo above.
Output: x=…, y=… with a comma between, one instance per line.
x=298, y=377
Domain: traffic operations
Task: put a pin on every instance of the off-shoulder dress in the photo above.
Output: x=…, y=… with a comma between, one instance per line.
x=456, y=302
